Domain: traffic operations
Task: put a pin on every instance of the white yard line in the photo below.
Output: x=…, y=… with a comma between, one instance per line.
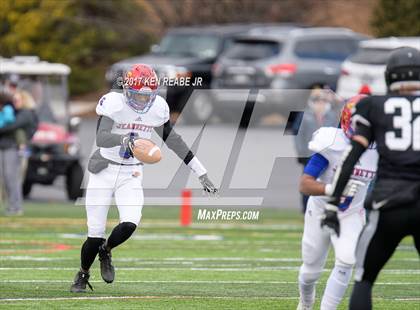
x=292, y=268
x=177, y=259
x=156, y=281
x=159, y=268
x=158, y=260
x=172, y=297
x=191, y=282
x=34, y=258
x=140, y=297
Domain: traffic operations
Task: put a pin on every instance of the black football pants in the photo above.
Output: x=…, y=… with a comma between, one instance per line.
x=377, y=242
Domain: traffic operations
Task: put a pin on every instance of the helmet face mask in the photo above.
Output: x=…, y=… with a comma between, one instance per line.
x=139, y=101
x=140, y=88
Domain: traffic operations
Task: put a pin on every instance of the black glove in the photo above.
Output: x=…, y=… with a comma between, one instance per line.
x=330, y=218
x=208, y=186
x=127, y=145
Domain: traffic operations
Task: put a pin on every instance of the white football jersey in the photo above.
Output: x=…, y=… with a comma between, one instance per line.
x=126, y=120
x=331, y=142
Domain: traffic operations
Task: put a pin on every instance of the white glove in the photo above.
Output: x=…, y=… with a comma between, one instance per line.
x=208, y=187
x=352, y=187
x=349, y=191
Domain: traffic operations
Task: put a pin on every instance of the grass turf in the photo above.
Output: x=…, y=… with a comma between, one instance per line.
x=209, y=265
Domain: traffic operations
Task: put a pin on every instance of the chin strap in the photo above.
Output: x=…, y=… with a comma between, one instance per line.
x=412, y=86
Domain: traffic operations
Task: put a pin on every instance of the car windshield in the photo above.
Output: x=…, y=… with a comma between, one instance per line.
x=253, y=49
x=49, y=95
x=190, y=45
x=371, y=56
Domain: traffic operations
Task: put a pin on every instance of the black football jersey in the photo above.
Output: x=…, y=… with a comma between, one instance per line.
x=393, y=122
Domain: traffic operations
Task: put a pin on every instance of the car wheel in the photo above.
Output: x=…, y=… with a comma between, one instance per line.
x=74, y=178
x=199, y=108
x=26, y=189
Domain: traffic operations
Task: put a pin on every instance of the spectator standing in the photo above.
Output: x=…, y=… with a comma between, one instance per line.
x=14, y=138
x=322, y=111
x=9, y=162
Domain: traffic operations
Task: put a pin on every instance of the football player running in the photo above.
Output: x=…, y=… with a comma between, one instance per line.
x=328, y=145
x=115, y=172
x=393, y=122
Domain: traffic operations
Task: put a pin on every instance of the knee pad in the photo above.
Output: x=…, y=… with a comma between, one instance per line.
x=311, y=268
x=345, y=259
x=128, y=227
x=308, y=274
x=342, y=273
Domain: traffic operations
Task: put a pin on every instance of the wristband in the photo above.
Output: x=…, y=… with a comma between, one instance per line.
x=328, y=190
x=197, y=167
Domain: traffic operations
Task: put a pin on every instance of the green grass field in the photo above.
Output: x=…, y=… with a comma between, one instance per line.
x=210, y=265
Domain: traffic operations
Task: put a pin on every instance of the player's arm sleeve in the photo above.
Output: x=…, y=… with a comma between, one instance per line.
x=361, y=119
x=344, y=172
x=104, y=137
x=316, y=165
x=175, y=142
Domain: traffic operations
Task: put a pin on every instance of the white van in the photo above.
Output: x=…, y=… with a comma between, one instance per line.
x=367, y=66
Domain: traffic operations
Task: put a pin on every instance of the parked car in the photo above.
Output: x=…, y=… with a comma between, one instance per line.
x=280, y=59
x=55, y=148
x=367, y=66
x=185, y=52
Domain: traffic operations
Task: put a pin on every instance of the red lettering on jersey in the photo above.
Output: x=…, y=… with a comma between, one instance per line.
x=134, y=126
x=357, y=172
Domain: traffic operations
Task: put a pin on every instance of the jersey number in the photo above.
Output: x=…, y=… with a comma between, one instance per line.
x=410, y=128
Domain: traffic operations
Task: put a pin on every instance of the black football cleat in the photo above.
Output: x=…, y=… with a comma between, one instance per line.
x=80, y=282
x=107, y=270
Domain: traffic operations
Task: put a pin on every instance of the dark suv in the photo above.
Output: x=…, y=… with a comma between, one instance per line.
x=279, y=59
x=185, y=52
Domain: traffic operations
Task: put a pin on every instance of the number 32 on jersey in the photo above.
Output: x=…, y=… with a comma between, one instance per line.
x=410, y=128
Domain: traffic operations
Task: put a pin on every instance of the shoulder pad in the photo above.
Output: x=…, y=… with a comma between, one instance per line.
x=110, y=104
x=327, y=139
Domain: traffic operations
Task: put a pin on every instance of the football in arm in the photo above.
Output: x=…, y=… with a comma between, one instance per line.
x=146, y=151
